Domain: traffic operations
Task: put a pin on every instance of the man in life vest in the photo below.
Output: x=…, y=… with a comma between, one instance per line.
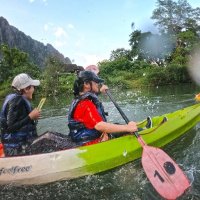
x=17, y=118
x=87, y=119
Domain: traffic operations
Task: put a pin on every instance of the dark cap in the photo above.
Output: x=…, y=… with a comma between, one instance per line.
x=89, y=76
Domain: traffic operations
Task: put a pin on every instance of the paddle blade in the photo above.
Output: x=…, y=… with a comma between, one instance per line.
x=41, y=103
x=163, y=173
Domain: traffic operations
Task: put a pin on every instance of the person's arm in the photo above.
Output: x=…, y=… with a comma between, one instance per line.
x=15, y=118
x=89, y=115
x=116, y=128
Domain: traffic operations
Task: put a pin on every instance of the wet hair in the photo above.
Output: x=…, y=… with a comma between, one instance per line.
x=78, y=87
x=17, y=91
x=20, y=91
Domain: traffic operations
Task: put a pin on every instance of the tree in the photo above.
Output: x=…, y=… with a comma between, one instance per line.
x=53, y=69
x=186, y=42
x=153, y=48
x=14, y=62
x=135, y=38
x=182, y=23
x=174, y=17
x=119, y=53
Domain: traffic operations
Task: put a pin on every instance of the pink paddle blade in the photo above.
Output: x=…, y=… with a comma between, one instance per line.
x=164, y=174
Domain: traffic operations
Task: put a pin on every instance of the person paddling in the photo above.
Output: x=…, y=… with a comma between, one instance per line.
x=87, y=119
x=17, y=118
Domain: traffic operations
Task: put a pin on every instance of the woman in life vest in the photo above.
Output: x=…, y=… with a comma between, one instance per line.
x=87, y=118
x=17, y=118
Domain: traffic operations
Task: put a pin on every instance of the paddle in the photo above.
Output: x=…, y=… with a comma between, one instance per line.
x=41, y=103
x=163, y=173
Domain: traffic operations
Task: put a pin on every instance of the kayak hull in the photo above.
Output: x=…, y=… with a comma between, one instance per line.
x=86, y=160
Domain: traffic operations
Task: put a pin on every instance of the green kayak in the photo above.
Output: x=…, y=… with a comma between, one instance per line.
x=85, y=160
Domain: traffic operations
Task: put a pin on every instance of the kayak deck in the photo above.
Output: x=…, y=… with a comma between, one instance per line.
x=85, y=160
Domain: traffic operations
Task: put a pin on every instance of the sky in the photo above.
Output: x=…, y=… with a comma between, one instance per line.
x=86, y=31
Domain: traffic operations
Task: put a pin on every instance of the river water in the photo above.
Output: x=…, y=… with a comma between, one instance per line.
x=129, y=181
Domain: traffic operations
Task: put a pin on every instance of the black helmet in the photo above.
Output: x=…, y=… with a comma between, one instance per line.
x=89, y=76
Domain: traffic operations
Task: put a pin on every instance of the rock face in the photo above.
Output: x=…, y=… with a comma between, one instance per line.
x=38, y=52
x=70, y=68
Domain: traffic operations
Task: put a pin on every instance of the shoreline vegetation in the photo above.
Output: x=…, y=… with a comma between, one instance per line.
x=119, y=72
x=54, y=83
x=153, y=59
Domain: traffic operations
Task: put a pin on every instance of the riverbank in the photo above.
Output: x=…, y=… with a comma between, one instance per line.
x=153, y=76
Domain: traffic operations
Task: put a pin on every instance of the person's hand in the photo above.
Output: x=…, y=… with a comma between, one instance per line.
x=103, y=88
x=197, y=97
x=104, y=137
x=34, y=114
x=132, y=127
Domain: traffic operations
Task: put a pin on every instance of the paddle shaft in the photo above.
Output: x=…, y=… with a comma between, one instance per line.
x=122, y=113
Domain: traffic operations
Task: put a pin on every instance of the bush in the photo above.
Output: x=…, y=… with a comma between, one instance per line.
x=66, y=83
x=173, y=74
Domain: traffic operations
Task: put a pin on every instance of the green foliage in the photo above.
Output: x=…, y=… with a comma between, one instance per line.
x=187, y=38
x=14, y=62
x=179, y=26
x=55, y=80
x=66, y=83
x=51, y=76
x=173, y=17
x=186, y=41
x=113, y=72
x=139, y=74
x=120, y=53
x=178, y=74
x=5, y=88
x=172, y=74
x=179, y=56
x=112, y=68
x=149, y=47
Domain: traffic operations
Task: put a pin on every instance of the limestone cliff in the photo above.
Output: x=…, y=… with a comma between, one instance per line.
x=38, y=52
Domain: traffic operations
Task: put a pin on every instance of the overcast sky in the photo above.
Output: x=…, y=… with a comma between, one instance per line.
x=86, y=31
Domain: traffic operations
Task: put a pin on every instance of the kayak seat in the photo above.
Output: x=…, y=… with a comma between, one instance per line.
x=50, y=142
x=149, y=122
x=164, y=120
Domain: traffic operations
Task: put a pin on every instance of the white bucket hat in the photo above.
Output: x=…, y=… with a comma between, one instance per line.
x=23, y=80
